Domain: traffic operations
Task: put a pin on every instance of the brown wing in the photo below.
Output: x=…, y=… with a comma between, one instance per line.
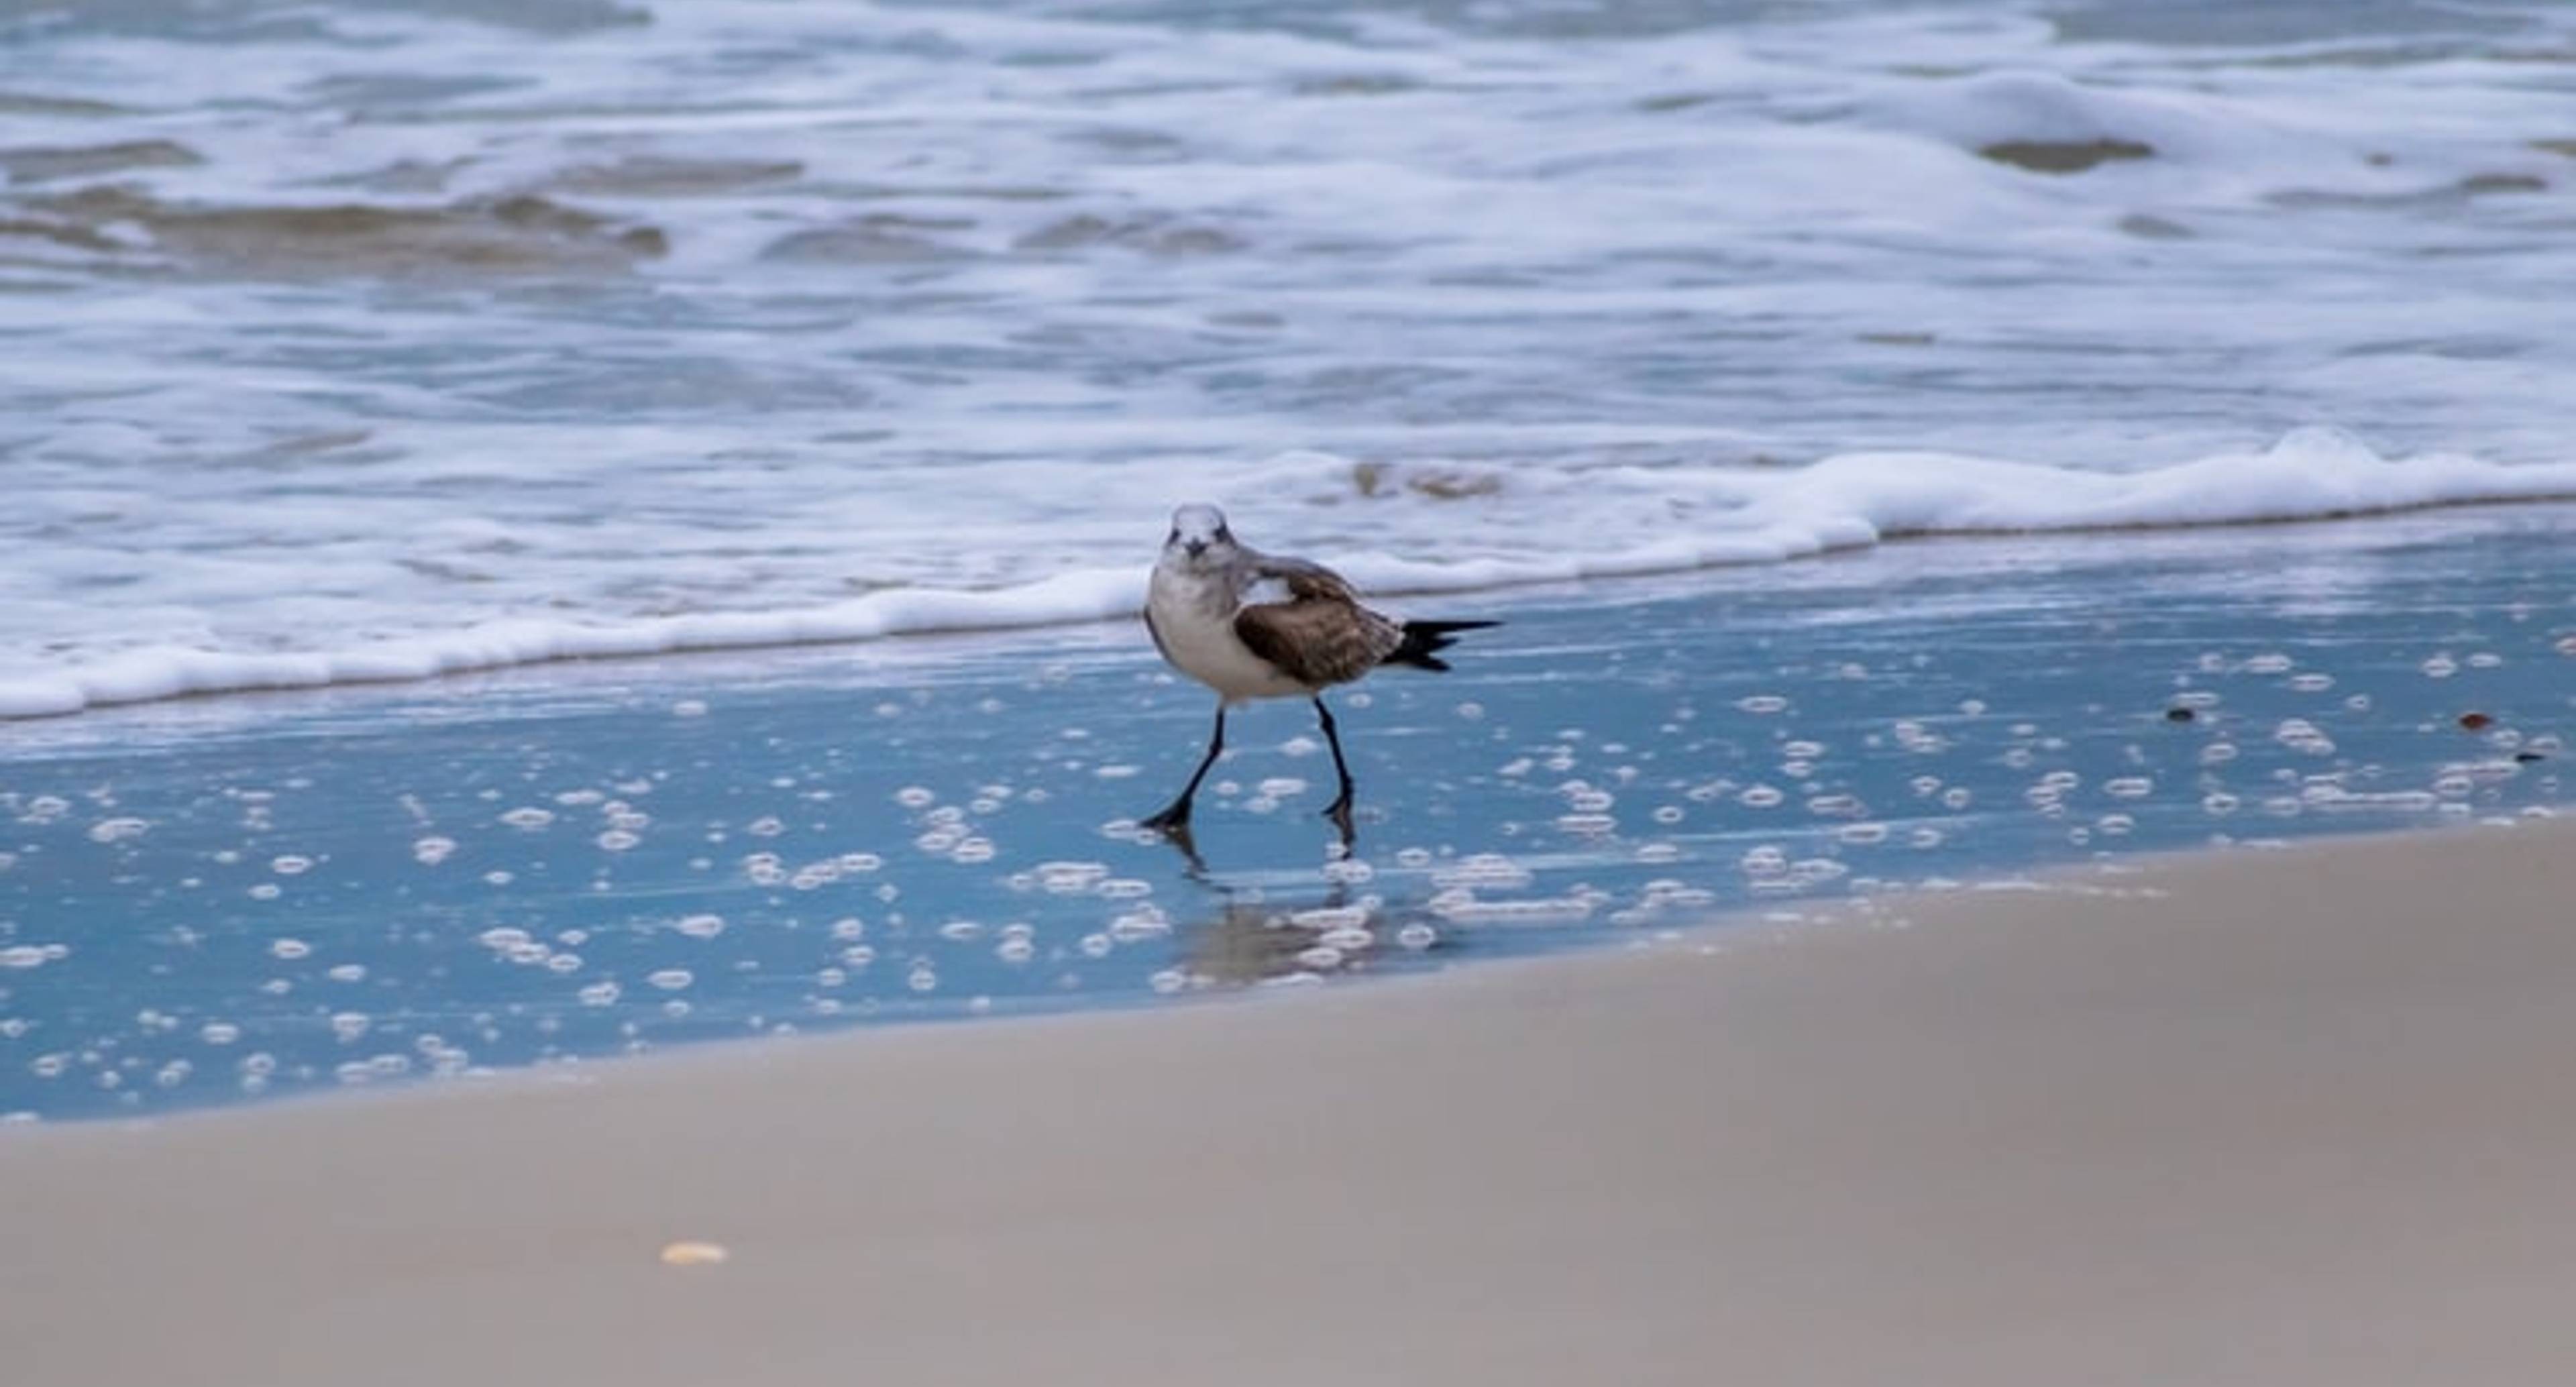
x=1306, y=581
x=1321, y=635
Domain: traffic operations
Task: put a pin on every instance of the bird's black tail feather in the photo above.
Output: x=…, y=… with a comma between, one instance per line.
x=1424, y=639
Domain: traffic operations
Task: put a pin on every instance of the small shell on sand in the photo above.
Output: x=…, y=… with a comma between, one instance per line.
x=693, y=1254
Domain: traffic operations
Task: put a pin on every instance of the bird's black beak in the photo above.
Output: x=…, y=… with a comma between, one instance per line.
x=1195, y=546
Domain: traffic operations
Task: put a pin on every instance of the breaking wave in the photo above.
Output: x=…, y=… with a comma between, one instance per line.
x=1524, y=526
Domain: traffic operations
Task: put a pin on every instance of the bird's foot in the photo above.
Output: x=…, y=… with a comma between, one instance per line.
x=1338, y=813
x=1173, y=827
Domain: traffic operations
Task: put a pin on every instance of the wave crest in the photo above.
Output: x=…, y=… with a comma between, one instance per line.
x=1433, y=527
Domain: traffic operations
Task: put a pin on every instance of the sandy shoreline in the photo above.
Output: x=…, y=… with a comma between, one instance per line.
x=2263, y=1117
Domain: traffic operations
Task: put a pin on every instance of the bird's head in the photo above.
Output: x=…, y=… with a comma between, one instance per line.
x=1199, y=538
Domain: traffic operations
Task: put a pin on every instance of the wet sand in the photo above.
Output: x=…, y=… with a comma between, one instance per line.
x=2263, y=1117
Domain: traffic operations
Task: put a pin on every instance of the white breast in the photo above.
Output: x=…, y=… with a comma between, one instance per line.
x=1195, y=628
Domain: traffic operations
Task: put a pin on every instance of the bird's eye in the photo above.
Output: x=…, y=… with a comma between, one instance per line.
x=1224, y=533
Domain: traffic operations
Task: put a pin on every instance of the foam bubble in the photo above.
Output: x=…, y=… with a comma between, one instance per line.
x=118, y=830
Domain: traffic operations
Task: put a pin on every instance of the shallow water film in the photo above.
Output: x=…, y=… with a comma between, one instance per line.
x=209, y=900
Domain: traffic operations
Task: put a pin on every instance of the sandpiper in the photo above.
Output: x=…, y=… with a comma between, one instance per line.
x=1253, y=625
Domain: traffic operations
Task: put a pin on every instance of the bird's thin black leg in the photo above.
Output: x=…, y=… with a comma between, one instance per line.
x=1175, y=817
x=1339, y=811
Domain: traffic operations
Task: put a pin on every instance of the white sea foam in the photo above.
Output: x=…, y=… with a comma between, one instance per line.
x=1533, y=525
x=926, y=314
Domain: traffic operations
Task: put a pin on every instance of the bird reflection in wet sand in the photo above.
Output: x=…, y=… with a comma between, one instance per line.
x=1254, y=939
x=1252, y=625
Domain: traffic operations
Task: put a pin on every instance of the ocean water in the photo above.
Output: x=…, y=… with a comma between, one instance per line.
x=216, y=900
x=1913, y=366
x=370, y=340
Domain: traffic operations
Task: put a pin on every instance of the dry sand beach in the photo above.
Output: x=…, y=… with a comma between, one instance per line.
x=2267, y=1117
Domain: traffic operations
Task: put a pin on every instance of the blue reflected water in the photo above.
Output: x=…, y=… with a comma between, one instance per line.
x=205, y=902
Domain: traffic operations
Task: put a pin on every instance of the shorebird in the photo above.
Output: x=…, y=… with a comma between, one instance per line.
x=1253, y=625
